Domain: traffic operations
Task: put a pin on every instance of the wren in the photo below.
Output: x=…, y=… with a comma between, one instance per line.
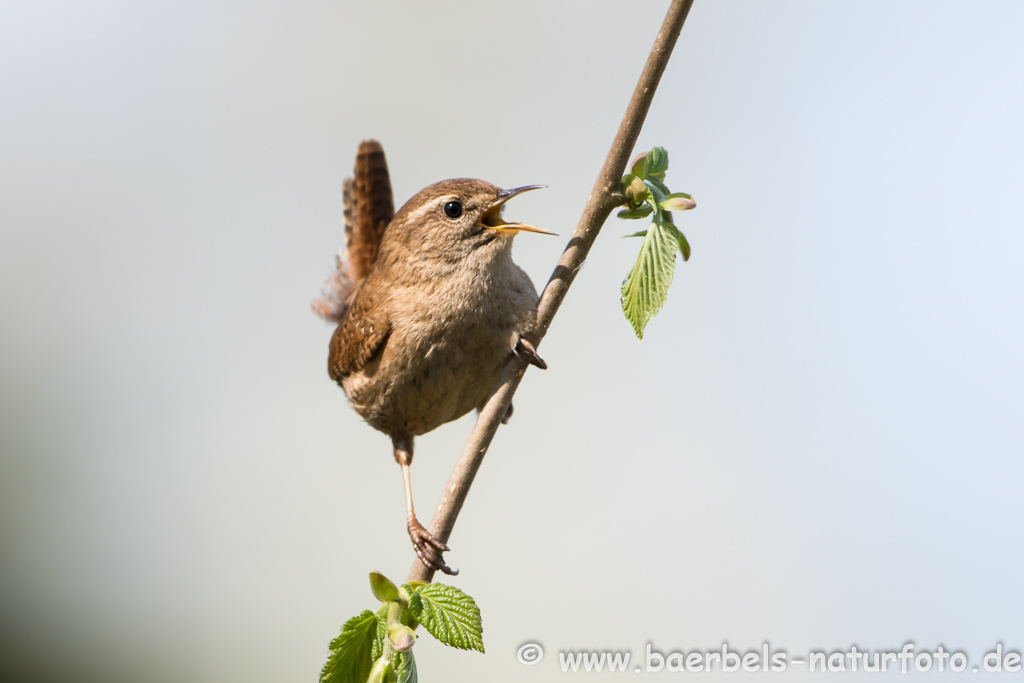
x=429, y=307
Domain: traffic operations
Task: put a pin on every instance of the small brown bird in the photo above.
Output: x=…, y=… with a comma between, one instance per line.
x=429, y=307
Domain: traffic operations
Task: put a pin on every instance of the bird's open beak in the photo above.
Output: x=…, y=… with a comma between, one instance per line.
x=492, y=220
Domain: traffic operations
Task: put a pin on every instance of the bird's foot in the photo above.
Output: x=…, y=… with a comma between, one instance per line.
x=528, y=352
x=428, y=548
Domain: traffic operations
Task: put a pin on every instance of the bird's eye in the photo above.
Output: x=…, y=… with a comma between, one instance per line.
x=453, y=209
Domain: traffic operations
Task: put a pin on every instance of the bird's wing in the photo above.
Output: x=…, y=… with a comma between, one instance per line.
x=369, y=207
x=362, y=333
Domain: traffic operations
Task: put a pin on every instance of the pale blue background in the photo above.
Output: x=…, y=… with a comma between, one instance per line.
x=817, y=444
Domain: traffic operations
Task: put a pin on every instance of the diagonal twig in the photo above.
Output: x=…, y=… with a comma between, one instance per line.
x=600, y=205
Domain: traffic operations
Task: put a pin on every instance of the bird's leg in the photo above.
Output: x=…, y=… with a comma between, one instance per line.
x=427, y=548
x=528, y=352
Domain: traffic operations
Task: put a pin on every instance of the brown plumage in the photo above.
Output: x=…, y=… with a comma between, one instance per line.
x=428, y=310
x=373, y=207
x=369, y=207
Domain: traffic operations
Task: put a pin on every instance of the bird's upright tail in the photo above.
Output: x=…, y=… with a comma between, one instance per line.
x=369, y=207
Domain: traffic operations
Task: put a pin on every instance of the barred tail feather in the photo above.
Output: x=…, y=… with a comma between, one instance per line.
x=369, y=207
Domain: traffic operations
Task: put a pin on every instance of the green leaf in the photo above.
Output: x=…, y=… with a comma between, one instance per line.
x=409, y=589
x=449, y=615
x=407, y=617
x=656, y=163
x=382, y=631
x=643, y=212
x=382, y=588
x=405, y=667
x=646, y=287
x=659, y=186
x=684, y=245
x=416, y=603
x=638, y=233
x=350, y=658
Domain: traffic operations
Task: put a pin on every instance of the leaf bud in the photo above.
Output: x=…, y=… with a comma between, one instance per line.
x=402, y=637
x=382, y=588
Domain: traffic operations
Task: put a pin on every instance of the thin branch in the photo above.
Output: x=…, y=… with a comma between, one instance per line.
x=602, y=201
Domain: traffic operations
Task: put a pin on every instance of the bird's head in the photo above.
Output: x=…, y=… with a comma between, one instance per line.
x=456, y=218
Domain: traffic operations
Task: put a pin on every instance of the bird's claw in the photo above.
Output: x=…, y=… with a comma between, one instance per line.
x=528, y=352
x=428, y=548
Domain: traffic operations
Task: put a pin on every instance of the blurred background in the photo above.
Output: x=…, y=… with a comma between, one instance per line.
x=816, y=445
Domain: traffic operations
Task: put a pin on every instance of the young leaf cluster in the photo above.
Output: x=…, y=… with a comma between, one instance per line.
x=646, y=286
x=376, y=647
